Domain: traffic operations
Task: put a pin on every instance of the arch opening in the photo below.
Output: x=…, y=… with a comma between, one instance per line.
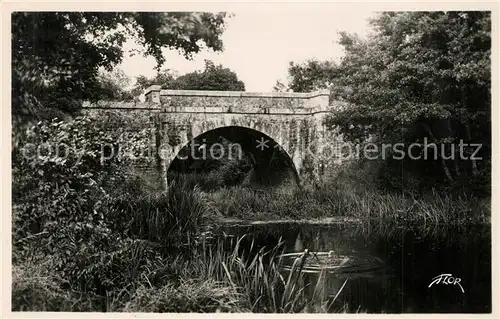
x=233, y=155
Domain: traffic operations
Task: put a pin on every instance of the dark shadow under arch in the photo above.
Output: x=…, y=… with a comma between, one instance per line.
x=262, y=161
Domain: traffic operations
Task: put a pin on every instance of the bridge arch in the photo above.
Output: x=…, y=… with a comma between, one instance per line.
x=244, y=154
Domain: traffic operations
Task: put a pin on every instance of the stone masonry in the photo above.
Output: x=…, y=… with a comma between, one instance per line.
x=295, y=121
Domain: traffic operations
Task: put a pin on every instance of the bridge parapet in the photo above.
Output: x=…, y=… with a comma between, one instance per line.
x=238, y=102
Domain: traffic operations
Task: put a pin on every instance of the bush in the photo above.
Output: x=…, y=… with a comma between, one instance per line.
x=95, y=225
x=63, y=187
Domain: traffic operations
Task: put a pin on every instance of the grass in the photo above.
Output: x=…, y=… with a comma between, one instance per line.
x=36, y=286
x=260, y=280
x=188, y=296
x=225, y=278
x=340, y=201
x=167, y=218
x=231, y=281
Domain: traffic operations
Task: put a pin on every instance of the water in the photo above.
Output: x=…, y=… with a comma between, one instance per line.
x=388, y=269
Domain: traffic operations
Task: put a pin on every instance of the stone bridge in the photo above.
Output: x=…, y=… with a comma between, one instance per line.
x=287, y=126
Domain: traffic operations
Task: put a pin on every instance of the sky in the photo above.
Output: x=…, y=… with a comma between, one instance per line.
x=258, y=45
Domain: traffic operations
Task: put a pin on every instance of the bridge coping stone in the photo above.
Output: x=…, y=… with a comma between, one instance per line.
x=239, y=94
x=318, y=99
x=306, y=95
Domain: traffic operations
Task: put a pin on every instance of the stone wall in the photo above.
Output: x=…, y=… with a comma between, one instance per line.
x=133, y=118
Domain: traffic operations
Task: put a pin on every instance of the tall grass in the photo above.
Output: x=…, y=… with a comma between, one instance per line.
x=168, y=218
x=222, y=276
x=341, y=201
x=259, y=279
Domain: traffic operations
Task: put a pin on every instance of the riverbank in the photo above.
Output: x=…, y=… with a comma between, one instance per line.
x=144, y=252
x=335, y=203
x=222, y=274
x=320, y=221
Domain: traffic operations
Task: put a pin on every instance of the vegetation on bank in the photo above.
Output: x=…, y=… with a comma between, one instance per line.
x=148, y=252
x=94, y=236
x=249, y=204
x=345, y=198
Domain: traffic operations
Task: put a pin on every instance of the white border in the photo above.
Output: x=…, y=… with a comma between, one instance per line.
x=276, y=6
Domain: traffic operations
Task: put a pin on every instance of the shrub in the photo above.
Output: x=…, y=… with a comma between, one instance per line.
x=82, y=215
x=63, y=186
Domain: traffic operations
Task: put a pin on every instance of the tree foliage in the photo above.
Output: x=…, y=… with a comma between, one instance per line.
x=279, y=86
x=163, y=77
x=419, y=75
x=114, y=85
x=212, y=78
x=56, y=55
x=309, y=76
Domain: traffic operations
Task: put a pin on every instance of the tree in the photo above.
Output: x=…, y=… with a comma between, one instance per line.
x=163, y=77
x=212, y=78
x=56, y=55
x=420, y=75
x=280, y=87
x=114, y=85
x=311, y=75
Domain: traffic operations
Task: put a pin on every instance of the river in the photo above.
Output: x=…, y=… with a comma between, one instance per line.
x=387, y=269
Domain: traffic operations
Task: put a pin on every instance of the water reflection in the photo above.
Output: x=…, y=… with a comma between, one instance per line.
x=385, y=269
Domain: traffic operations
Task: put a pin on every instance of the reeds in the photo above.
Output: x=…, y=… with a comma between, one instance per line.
x=362, y=204
x=169, y=218
x=259, y=277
